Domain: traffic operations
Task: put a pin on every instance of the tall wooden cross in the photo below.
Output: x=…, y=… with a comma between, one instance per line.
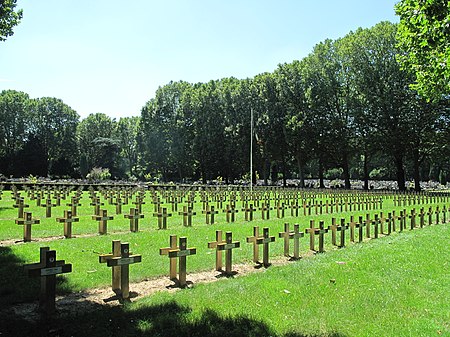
x=187, y=216
x=312, y=231
x=228, y=246
x=73, y=204
x=134, y=217
x=210, y=213
x=265, y=240
x=67, y=220
x=289, y=235
x=27, y=222
x=102, y=221
x=47, y=268
x=119, y=260
x=253, y=239
x=162, y=216
x=173, y=262
x=181, y=253
x=20, y=205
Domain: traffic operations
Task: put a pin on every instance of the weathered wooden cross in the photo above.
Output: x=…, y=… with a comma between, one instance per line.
x=210, y=213
x=102, y=221
x=47, y=268
x=27, y=221
x=224, y=245
x=312, y=231
x=173, y=262
x=162, y=216
x=289, y=235
x=134, y=217
x=187, y=214
x=48, y=207
x=67, y=220
x=73, y=204
x=20, y=205
x=181, y=253
x=265, y=240
x=119, y=260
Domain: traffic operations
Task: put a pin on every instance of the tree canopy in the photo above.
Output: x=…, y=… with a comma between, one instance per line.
x=9, y=17
x=424, y=38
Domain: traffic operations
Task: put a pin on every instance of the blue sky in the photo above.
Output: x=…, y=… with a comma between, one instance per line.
x=110, y=56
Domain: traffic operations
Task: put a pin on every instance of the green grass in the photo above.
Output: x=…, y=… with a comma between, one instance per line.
x=394, y=286
x=83, y=252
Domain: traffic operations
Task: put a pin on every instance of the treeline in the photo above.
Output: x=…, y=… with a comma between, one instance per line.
x=344, y=111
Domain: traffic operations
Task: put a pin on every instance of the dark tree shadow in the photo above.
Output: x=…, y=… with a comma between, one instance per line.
x=15, y=285
x=169, y=319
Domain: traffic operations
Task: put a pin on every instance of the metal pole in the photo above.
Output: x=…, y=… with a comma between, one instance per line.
x=251, y=150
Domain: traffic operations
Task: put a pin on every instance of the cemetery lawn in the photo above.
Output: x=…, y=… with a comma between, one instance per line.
x=397, y=285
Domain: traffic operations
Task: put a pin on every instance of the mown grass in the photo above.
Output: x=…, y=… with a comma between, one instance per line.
x=394, y=286
x=83, y=252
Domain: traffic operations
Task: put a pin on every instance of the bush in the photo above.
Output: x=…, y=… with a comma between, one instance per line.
x=99, y=174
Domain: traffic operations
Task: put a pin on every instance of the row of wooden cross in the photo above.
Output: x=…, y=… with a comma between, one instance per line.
x=120, y=257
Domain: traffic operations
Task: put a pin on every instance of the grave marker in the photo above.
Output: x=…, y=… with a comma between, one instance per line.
x=312, y=231
x=47, y=268
x=181, y=253
x=265, y=240
x=119, y=260
x=102, y=221
x=228, y=246
x=291, y=235
x=27, y=222
x=67, y=220
x=134, y=217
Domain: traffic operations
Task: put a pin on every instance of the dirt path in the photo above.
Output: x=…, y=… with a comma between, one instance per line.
x=91, y=299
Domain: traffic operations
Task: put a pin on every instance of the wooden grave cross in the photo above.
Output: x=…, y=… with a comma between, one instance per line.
x=352, y=225
x=47, y=268
x=210, y=213
x=312, y=231
x=119, y=260
x=73, y=204
x=265, y=240
x=361, y=226
x=294, y=209
x=187, y=216
x=20, y=205
x=248, y=209
x=253, y=239
x=48, y=207
x=181, y=253
x=228, y=246
x=162, y=216
x=134, y=217
x=280, y=210
x=437, y=212
x=67, y=220
x=118, y=203
x=230, y=212
x=102, y=221
x=291, y=235
x=96, y=203
x=214, y=244
x=375, y=223
x=265, y=211
x=412, y=218
x=173, y=262
x=342, y=228
x=27, y=221
x=430, y=216
x=367, y=223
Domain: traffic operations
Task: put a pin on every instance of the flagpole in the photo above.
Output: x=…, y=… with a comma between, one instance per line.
x=251, y=150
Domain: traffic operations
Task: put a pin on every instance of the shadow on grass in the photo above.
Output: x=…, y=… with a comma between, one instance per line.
x=169, y=319
x=15, y=284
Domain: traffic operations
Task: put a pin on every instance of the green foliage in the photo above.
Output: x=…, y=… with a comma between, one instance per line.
x=378, y=173
x=423, y=37
x=99, y=174
x=9, y=18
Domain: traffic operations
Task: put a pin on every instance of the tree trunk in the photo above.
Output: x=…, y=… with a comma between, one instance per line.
x=284, y=172
x=416, y=171
x=400, y=172
x=366, y=172
x=264, y=172
x=301, y=171
x=346, y=171
x=321, y=183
